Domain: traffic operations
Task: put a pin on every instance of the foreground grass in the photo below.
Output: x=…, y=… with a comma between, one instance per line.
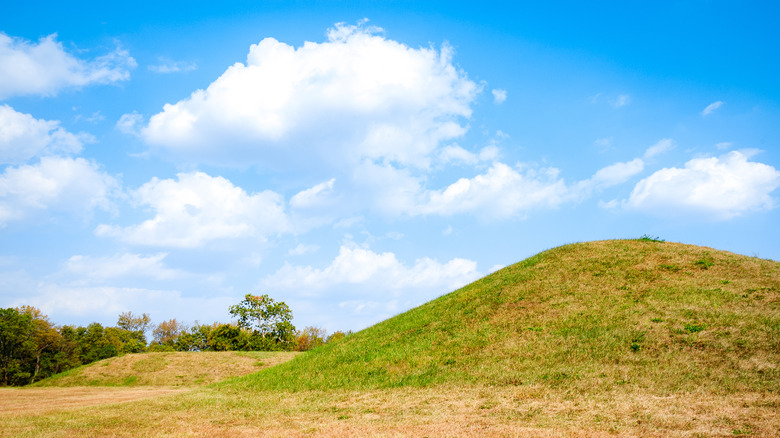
x=464, y=410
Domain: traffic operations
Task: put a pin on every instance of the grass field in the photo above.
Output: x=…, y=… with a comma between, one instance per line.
x=174, y=369
x=626, y=338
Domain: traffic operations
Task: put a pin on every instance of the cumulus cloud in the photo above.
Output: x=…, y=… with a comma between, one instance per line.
x=198, y=208
x=499, y=96
x=501, y=192
x=377, y=274
x=356, y=96
x=22, y=137
x=45, y=68
x=711, y=108
x=363, y=286
x=74, y=186
x=720, y=187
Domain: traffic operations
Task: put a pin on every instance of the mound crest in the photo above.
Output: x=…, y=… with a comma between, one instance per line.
x=660, y=315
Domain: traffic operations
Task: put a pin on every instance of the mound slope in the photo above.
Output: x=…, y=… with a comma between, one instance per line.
x=169, y=369
x=660, y=316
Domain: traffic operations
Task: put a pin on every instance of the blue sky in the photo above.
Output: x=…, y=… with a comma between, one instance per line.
x=356, y=159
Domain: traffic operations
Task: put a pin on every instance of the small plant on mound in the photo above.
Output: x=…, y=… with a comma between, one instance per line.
x=649, y=238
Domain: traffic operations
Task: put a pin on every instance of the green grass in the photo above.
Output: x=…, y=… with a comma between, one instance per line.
x=586, y=317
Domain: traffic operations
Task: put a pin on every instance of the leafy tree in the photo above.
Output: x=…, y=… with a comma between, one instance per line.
x=227, y=337
x=309, y=338
x=270, y=322
x=134, y=340
x=43, y=339
x=95, y=344
x=134, y=323
x=168, y=332
x=15, y=346
x=31, y=348
x=196, y=339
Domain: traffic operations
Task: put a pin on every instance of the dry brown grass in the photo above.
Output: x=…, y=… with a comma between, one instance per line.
x=173, y=369
x=436, y=411
x=31, y=402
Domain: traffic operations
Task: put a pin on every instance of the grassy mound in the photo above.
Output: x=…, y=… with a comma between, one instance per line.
x=591, y=317
x=167, y=369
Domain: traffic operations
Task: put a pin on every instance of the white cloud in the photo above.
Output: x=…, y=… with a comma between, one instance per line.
x=356, y=96
x=120, y=265
x=314, y=196
x=166, y=66
x=75, y=186
x=376, y=274
x=199, y=208
x=499, y=96
x=22, y=137
x=500, y=193
x=711, y=108
x=615, y=174
x=662, y=146
x=457, y=155
x=130, y=123
x=45, y=68
x=720, y=187
x=360, y=287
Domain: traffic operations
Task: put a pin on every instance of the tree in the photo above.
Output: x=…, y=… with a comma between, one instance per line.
x=270, y=322
x=43, y=338
x=227, y=337
x=309, y=338
x=168, y=332
x=15, y=346
x=95, y=344
x=131, y=331
x=31, y=348
x=134, y=323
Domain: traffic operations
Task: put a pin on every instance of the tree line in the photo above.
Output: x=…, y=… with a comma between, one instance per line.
x=33, y=348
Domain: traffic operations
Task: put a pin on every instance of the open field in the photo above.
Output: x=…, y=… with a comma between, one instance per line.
x=618, y=338
x=435, y=411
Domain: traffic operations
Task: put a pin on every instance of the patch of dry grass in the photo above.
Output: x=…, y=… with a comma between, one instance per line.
x=174, y=369
x=31, y=402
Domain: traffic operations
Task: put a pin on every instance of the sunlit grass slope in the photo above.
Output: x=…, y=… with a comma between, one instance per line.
x=172, y=369
x=590, y=317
